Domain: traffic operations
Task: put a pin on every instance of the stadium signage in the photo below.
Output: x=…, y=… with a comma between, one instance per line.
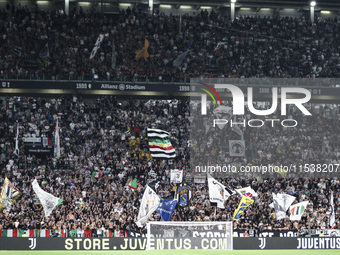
x=318, y=243
x=122, y=87
x=87, y=244
x=120, y=243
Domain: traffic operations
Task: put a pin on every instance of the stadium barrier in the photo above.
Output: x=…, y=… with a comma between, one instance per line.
x=258, y=243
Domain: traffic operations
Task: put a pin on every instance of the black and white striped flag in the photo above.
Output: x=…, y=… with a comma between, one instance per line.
x=160, y=145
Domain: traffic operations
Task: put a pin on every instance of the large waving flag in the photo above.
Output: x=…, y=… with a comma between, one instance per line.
x=9, y=194
x=244, y=203
x=48, y=201
x=160, y=145
x=247, y=191
x=166, y=208
x=143, y=52
x=297, y=210
x=97, y=45
x=56, y=142
x=281, y=203
x=218, y=193
x=150, y=203
x=332, y=222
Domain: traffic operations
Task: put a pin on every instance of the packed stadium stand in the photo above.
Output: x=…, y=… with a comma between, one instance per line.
x=108, y=136
x=103, y=139
x=38, y=44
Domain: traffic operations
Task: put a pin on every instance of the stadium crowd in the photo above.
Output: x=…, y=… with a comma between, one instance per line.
x=37, y=44
x=107, y=136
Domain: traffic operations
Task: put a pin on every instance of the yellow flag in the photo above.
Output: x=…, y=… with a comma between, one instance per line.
x=281, y=172
x=244, y=203
x=139, y=54
x=146, y=46
x=8, y=195
x=143, y=52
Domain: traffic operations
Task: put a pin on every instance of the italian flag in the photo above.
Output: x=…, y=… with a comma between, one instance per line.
x=96, y=174
x=133, y=184
x=33, y=232
x=108, y=233
x=9, y=233
x=61, y=232
x=125, y=161
x=45, y=233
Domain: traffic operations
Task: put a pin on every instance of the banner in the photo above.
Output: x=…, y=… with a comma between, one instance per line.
x=237, y=148
x=183, y=195
x=281, y=203
x=199, y=179
x=244, y=203
x=218, y=193
x=9, y=194
x=176, y=175
x=166, y=208
x=119, y=243
x=297, y=210
x=149, y=204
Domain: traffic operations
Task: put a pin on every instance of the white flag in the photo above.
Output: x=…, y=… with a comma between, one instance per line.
x=237, y=130
x=281, y=203
x=56, y=142
x=34, y=127
x=47, y=200
x=16, y=151
x=176, y=175
x=97, y=45
x=247, y=191
x=332, y=222
x=150, y=203
x=297, y=210
x=179, y=60
x=218, y=193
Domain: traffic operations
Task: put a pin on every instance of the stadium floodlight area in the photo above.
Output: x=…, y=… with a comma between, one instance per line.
x=180, y=235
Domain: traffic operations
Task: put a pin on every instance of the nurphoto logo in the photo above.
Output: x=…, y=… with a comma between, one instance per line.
x=238, y=100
